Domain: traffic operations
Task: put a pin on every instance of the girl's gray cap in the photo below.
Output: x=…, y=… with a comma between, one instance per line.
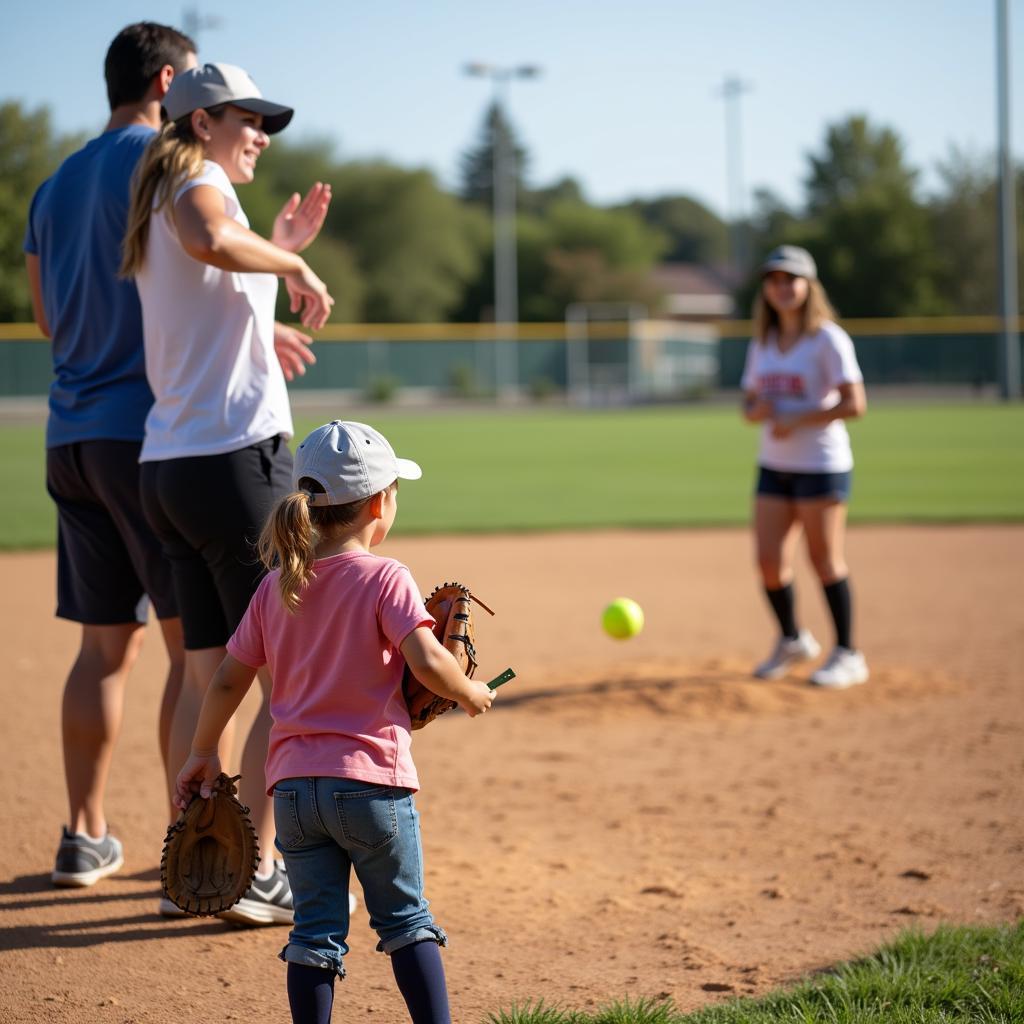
x=213, y=84
x=351, y=461
x=790, y=259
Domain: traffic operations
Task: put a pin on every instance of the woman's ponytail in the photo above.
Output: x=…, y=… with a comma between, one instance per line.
x=174, y=156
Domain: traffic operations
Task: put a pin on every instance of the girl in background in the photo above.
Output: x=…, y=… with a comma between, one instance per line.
x=801, y=380
x=336, y=625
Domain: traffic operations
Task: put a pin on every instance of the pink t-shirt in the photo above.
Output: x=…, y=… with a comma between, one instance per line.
x=337, y=698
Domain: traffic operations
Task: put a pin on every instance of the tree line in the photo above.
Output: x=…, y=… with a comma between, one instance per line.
x=398, y=247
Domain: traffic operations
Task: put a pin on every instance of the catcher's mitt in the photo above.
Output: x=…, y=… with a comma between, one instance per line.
x=451, y=606
x=210, y=853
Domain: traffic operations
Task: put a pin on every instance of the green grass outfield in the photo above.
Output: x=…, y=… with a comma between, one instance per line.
x=961, y=975
x=539, y=469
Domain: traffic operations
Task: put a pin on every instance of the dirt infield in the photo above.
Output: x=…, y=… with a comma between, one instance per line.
x=634, y=818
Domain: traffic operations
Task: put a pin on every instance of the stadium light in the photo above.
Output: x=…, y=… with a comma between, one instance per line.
x=193, y=23
x=1008, y=299
x=731, y=91
x=506, y=279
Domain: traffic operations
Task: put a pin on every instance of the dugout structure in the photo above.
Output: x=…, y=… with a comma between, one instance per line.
x=616, y=355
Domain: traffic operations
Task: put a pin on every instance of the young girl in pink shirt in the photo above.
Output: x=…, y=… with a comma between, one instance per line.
x=335, y=625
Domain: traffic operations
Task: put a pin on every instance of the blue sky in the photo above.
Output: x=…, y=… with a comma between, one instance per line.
x=628, y=100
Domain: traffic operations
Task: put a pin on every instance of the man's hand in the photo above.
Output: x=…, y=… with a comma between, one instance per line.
x=293, y=351
x=300, y=220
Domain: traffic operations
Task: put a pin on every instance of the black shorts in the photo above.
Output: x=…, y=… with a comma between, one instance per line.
x=208, y=512
x=775, y=483
x=108, y=559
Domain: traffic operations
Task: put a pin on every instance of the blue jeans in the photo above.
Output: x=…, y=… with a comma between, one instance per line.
x=325, y=827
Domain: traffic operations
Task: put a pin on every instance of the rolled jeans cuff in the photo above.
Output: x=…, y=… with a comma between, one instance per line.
x=293, y=954
x=430, y=933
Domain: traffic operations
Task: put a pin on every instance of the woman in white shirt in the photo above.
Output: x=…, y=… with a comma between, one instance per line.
x=215, y=458
x=800, y=382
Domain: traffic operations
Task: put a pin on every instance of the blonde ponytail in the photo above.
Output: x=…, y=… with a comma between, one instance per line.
x=293, y=530
x=288, y=542
x=174, y=156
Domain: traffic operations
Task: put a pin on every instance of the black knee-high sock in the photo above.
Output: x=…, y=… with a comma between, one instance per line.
x=839, y=604
x=310, y=993
x=781, y=601
x=420, y=976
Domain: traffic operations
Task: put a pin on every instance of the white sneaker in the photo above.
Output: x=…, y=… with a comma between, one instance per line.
x=842, y=669
x=168, y=908
x=352, y=903
x=788, y=651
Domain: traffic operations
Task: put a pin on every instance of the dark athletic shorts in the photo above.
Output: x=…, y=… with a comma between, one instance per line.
x=108, y=559
x=774, y=483
x=208, y=512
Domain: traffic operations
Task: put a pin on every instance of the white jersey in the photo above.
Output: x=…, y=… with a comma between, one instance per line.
x=804, y=377
x=209, y=338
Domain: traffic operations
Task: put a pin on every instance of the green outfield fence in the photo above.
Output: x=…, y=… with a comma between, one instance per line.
x=463, y=359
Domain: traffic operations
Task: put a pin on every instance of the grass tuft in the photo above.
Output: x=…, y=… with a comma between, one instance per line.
x=956, y=975
x=636, y=1011
x=536, y=1012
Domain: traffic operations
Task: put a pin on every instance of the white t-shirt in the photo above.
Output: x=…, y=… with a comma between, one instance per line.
x=209, y=338
x=804, y=377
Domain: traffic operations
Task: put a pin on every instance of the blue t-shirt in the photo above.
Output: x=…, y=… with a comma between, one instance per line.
x=76, y=225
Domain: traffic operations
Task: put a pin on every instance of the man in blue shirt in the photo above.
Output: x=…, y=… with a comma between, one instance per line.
x=108, y=561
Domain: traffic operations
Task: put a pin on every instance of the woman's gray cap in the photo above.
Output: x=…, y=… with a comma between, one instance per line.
x=213, y=84
x=790, y=259
x=350, y=461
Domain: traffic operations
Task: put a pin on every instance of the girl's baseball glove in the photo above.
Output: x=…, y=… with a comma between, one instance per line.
x=210, y=853
x=452, y=608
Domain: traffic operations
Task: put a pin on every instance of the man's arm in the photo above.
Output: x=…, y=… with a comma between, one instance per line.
x=36, y=286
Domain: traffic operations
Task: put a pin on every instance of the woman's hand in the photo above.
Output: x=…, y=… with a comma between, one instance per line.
x=292, y=348
x=308, y=296
x=784, y=426
x=757, y=409
x=197, y=776
x=300, y=220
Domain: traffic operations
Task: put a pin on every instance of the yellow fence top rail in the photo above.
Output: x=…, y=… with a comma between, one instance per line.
x=867, y=326
x=556, y=330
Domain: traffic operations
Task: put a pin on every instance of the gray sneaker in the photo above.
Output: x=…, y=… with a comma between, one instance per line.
x=83, y=861
x=788, y=651
x=267, y=901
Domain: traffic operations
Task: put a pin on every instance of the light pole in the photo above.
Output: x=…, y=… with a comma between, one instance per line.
x=192, y=22
x=731, y=91
x=1008, y=302
x=506, y=278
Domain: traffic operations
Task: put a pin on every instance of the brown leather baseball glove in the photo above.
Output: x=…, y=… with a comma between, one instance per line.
x=451, y=604
x=210, y=853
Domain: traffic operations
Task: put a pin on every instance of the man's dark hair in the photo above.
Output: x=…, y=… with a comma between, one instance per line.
x=137, y=54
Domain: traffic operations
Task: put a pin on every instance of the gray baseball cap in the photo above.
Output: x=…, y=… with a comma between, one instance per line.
x=213, y=84
x=351, y=461
x=790, y=259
